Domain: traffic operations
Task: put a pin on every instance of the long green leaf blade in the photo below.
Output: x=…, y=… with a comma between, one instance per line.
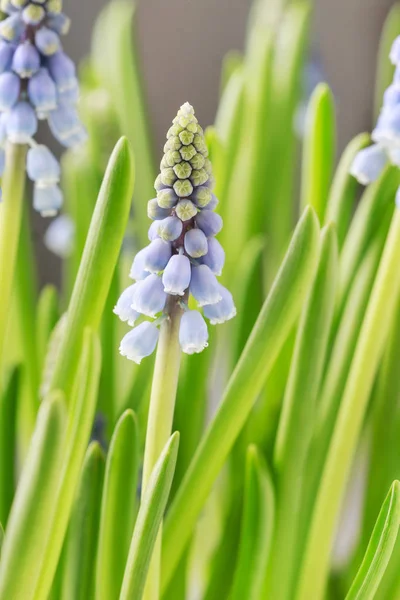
x=8, y=426
x=148, y=521
x=118, y=507
x=380, y=548
x=275, y=322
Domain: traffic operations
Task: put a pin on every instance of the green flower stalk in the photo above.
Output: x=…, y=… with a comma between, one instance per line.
x=183, y=259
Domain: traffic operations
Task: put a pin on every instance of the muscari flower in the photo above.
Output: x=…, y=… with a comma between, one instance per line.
x=370, y=162
x=183, y=258
x=38, y=82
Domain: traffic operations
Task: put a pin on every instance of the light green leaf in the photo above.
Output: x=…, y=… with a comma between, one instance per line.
x=47, y=315
x=1, y=538
x=80, y=421
x=148, y=521
x=256, y=530
x=280, y=311
x=380, y=548
x=29, y=522
x=343, y=192
x=102, y=248
x=117, y=64
x=81, y=540
x=8, y=426
x=319, y=150
x=385, y=70
x=118, y=507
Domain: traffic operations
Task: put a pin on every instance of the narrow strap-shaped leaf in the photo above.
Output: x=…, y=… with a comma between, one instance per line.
x=256, y=531
x=342, y=195
x=98, y=262
x=118, y=507
x=117, y=64
x=298, y=417
x=148, y=521
x=385, y=69
x=8, y=413
x=319, y=150
x=81, y=541
x=47, y=315
x=1, y=538
x=380, y=548
x=30, y=518
x=277, y=317
x=81, y=416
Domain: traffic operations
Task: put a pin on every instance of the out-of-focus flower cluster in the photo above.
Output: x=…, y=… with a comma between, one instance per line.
x=370, y=162
x=37, y=82
x=184, y=257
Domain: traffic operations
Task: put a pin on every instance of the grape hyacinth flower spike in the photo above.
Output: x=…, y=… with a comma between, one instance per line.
x=370, y=162
x=37, y=82
x=184, y=258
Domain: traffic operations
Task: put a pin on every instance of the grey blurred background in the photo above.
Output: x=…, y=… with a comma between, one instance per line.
x=182, y=43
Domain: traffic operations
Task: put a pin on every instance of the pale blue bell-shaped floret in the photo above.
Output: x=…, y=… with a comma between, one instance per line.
x=62, y=70
x=6, y=55
x=2, y=161
x=157, y=255
x=42, y=166
x=124, y=308
x=47, y=41
x=60, y=236
x=140, y=342
x=215, y=257
x=149, y=298
x=64, y=123
x=156, y=212
x=47, y=200
x=170, y=229
x=204, y=286
x=212, y=205
x=59, y=22
x=395, y=52
x=26, y=60
x=42, y=92
x=209, y=222
x=138, y=272
x=75, y=138
x=21, y=124
x=177, y=274
x=193, y=332
x=387, y=130
x=10, y=87
x=153, y=231
x=70, y=96
x=12, y=28
x=222, y=311
x=391, y=97
x=167, y=198
x=196, y=244
x=369, y=164
x=33, y=14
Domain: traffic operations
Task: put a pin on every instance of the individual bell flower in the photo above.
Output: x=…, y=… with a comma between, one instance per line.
x=123, y=309
x=10, y=86
x=149, y=298
x=64, y=123
x=193, y=332
x=155, y=212
x=222, y=311
x=42, y=92
x=196, y=244
x=47, y=41
x=369, y=164
x=60, y=236
x=21, y=123
x=6, y=55
x=62, y=70
x=47, y=200
x=26, y=60
x=33, y=14
x=177, y=275
x=215, y=257
x=212, y=205
x=12, y=28
x=138, y=271
x=391, y=97
x=42, y=166
x=202, y=196
x=204, y=286
x=209, y=222
x=169, y=229
x=152, y=234
x=185, y=210
x=140, y=342
x=157, y=255
x=167, y=198
x=59, y=23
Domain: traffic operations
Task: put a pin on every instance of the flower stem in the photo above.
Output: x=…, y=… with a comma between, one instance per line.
x=10, y=225
x=375, y=329
x=161, y=413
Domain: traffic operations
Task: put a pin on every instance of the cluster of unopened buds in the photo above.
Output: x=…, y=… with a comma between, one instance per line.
x=37, y=82
x=370, y=162
x=184, y=257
